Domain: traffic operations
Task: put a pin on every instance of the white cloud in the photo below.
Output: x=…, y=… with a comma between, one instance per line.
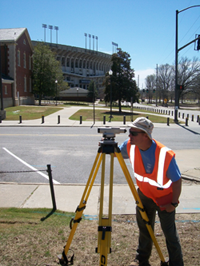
x=141, y=75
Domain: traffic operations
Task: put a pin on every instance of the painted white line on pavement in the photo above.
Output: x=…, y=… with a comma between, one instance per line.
x=33, y=168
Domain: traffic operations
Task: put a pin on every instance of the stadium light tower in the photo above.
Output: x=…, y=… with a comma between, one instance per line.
x=50, y=27
x=96, y=43
x=56, y=28
x=44, y=26
x=85, y=40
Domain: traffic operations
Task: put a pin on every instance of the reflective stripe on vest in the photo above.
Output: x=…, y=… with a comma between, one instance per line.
x=161, y=163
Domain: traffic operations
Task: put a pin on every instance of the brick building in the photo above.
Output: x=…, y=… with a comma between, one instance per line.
x=16, y=66
x=79, y=67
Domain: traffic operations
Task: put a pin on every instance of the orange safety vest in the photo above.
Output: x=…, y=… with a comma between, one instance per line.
x=156, y=185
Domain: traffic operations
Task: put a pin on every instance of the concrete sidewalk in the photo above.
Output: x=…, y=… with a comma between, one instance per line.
x=68, y=196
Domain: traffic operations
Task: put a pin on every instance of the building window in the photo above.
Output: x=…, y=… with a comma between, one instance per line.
x=68, y=63
x=63, y=61
x=6, y=90
x=30, y=85
x=18, y=58
x=24, y=42
x=76, y=63
x=29, y=62
x=25, y=86
x=24, y=60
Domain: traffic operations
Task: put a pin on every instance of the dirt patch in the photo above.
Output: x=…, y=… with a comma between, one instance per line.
x=39, y=243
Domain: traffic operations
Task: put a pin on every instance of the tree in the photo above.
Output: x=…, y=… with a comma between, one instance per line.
x=187, y=72
x=46, y=70
x=164, y=80
x=150, y=85
x=92, y=91
x=195, y=87
x=121, y=82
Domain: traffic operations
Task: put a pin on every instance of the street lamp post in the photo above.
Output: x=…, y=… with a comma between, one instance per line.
x=110, y=74
x=176, y=63
x=56, y=82
x=93, y=103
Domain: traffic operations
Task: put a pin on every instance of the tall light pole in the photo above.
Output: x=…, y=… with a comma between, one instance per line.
x=44, y=26
x=50, y=27
x=56, y=82
x=93, y=102
x=110, y=74
x=56, y=28
x=176, y=63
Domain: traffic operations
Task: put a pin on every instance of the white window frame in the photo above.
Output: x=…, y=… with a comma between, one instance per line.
x=25, y=84
x=24, y=59
x=6, y=90
x=30, y=85
x=18, y=57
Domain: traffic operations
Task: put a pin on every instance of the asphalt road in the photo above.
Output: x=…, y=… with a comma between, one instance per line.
x=70, y=151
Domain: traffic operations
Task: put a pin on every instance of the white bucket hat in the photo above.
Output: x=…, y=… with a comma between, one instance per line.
x=143, y=124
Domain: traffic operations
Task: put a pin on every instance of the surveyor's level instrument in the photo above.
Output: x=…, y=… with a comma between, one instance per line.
x=107, y=146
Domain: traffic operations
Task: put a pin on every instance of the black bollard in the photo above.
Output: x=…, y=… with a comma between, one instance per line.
x=42, y=119
x=124, y=119
x=168, y=121
x=104, y=119
x=80, y=119
x=186, y=121
x=20, y=119
x=58, y=119
x=51, y=187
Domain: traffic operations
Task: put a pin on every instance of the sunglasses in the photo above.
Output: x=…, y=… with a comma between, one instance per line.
x=134, y=133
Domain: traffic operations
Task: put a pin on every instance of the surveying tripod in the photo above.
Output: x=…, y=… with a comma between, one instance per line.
x=107, y=146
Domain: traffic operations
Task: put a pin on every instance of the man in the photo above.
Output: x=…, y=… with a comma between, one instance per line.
x=159, y=187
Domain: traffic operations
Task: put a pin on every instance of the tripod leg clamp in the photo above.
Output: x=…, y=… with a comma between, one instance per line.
x=74, y=221
x=80, y=209
x=104, y=229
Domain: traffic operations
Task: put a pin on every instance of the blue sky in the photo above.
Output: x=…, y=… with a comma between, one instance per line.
x=144, y=28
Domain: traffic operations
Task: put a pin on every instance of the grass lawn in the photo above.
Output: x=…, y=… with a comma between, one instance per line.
x=87, y=115
x=36, y=112
x=36, y=236
x=29, y=112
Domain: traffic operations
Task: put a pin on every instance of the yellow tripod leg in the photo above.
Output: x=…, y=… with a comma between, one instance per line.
x=139, y=203
x=82, y=205
x=105, y=223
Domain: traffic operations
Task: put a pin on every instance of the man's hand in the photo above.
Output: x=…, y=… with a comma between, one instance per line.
x=168, y=207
